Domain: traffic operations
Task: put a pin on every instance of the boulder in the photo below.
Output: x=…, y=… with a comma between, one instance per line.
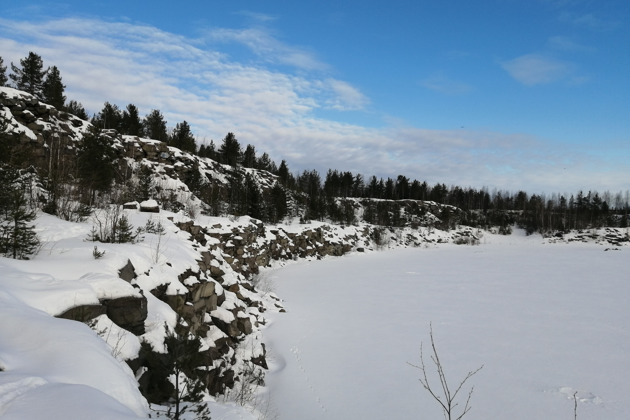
x=83, y=313
x=203, y=290
x=133, y=205
x=150, y=206
x=128, y=272
x=128, y=312
x=244, y=324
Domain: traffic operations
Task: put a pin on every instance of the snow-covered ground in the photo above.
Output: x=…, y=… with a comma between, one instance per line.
x=544, y=320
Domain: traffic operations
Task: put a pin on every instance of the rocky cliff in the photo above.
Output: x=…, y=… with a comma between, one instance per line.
x=216, y=295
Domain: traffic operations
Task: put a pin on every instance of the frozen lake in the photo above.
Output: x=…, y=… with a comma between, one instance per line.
x=545, y=320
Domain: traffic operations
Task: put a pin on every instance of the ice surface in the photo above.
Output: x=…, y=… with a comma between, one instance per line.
x=545, y=320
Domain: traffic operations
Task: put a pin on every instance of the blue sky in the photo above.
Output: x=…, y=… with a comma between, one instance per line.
x=506, y=94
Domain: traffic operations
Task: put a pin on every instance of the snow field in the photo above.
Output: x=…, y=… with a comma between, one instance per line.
x=545, y=321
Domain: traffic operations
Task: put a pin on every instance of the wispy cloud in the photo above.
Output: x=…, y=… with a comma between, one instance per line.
x=589, y=21
x=276, y=110
x=345, y=97
x=567, y=44
x=536, y=69
x=442, y=84
x=257, y=16
x=268, y=48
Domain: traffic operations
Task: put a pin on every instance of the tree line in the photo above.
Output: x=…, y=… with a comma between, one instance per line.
x=536, y=213
x=30, y=76
x=318, y=196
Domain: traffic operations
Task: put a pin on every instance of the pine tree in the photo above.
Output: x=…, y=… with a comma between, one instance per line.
x=277, y=205
x=265, y=163
x=183, y=357
x=249, y=156
x=95, y=163
x=110, y=117
x=211, y=151
x=53, y=89
x=208, y=151
x=183, y=138
x=253, y=200
x=29, y=77
x=230, y=150
x=145, y=184
x=401, y=190
x=3, y=73
x=283, y=173
x=124, y=232
x=193, y=180
x=76, y=108
x=131, y=123
x=17, y=236
x=154, y=126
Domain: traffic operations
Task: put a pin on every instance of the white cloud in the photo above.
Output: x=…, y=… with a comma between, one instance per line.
x=276, y=110
x=536, y=69
x=345, y=96
x=268, y=48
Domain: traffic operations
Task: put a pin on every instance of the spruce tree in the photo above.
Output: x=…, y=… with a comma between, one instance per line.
x=283, y=173
x=29, y=77
x=53, y=89
x=3, y=73
x=17, y=235
x=124, y=232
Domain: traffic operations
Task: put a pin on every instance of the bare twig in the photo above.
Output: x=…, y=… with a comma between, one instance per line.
x=445, y=397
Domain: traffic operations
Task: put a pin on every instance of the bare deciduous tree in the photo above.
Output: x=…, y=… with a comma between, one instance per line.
x=444, y=395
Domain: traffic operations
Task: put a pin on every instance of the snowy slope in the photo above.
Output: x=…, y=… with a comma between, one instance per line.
x=56, y=368
x=61, y=369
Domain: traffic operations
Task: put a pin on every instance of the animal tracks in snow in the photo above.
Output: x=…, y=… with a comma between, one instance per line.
x=584, y=397
x=295, y=350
